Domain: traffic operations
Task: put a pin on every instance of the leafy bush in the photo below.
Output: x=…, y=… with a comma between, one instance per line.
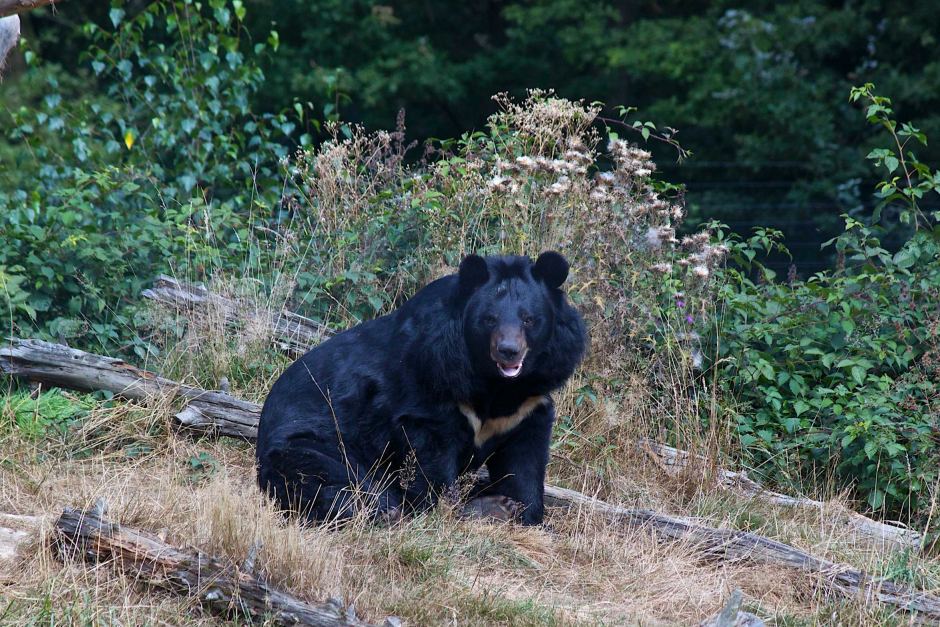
x=48, y=413
x=841, y=372
x=169, y=169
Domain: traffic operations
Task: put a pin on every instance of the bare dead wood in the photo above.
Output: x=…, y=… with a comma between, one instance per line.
x=223, y=414
x=13, y=7
x=218, y=584
x=10, y=540
x=9, y=35
x=733, y=545
x=15, y=531
x=55, y=364
x=292, y=333
x=674, y=461
x=31, y=358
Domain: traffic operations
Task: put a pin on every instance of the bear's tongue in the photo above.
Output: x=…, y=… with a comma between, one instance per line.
x=509, y=371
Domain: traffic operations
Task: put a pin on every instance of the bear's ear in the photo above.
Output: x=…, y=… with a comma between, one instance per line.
x=551, y=268
x=472, y=274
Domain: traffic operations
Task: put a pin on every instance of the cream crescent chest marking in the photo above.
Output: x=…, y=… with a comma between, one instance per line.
x=484, y=430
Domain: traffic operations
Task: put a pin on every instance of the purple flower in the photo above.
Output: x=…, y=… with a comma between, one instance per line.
x=680, y=304
x=689, y=319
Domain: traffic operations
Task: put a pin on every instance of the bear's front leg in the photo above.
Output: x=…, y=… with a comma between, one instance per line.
x=517, y=466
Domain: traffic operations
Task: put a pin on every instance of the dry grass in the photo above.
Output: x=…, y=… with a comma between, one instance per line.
x=435, y=569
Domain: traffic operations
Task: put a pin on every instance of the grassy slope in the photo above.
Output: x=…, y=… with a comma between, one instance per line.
x=430, y=570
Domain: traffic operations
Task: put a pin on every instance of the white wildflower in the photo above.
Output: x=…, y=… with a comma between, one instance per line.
x=560, y=186
x=498, y=183
x=526, y=163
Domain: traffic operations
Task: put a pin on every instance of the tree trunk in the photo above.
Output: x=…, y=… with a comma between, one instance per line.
x=219, y=585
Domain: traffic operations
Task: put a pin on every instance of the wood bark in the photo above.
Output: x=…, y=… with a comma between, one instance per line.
x=60, y=365
x=674, y=461
x=12, y=7
x=292, y=333
x=733, y=545
x=217, y=584
x=55, y=364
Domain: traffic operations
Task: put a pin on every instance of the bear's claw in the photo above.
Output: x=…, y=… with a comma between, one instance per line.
x=494, y=506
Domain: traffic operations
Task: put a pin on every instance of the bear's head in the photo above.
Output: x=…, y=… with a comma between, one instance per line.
x=510, y=306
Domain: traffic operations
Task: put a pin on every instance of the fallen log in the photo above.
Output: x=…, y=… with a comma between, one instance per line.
x=31, y=358
x=734, y=545
x=58, y=365
x=12, y=7
x=674, y=461
x=217, y=584
x=292, y=333
x=10, y=540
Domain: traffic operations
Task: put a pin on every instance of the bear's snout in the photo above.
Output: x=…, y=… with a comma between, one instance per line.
x=508, y=348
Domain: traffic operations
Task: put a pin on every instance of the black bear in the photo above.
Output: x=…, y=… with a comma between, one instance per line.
x=389, y=414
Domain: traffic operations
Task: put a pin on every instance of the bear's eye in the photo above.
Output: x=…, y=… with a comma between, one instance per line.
x=489, y=320
x=528, y=321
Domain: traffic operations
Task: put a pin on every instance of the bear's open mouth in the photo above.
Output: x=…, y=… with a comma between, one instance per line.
x=509, y=370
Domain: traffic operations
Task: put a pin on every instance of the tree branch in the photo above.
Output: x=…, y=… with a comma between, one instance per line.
x=13, y=7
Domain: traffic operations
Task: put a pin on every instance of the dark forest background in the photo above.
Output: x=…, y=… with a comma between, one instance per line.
x=758, y=90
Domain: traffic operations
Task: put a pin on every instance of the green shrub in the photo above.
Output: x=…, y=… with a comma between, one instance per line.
x=839, y=374
x=168, y=169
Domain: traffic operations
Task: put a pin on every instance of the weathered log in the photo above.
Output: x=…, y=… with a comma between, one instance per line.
x=733, y=545
x=292, y=333
x=674, y=461
x=733, y=616
x=12, y=7
x=49, y=362
x=217, y=584
x=59, y=365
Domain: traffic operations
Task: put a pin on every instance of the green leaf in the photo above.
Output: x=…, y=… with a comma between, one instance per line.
x=117, y=16
x=858, y=373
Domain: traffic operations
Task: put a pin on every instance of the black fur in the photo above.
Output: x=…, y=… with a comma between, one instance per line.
x=372, y=417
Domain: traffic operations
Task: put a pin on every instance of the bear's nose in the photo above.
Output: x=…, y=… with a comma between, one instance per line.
x=508, y=350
